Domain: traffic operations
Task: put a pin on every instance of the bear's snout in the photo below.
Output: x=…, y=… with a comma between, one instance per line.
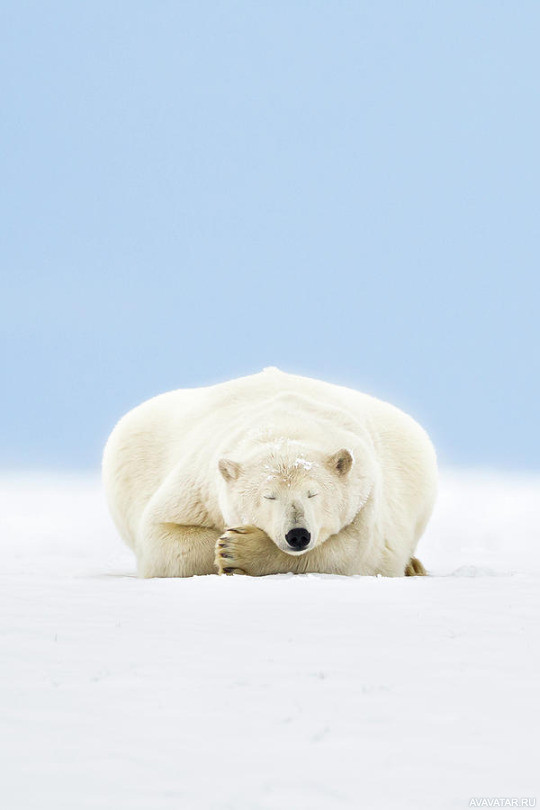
x=298, y=539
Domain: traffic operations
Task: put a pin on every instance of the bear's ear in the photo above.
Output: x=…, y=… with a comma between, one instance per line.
x=230, y=470
x=341, y=462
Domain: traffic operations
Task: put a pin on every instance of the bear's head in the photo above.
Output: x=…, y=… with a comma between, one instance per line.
x=299, y=496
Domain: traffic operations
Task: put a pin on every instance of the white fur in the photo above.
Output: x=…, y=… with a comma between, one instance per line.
x=184, y=466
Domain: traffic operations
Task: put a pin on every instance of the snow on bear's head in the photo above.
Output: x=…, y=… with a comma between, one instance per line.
x=300, y=497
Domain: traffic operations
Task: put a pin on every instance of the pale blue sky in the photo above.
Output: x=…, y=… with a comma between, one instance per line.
x=194, y=190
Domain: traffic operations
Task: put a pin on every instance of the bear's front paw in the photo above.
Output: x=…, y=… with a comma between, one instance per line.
x=238, y=549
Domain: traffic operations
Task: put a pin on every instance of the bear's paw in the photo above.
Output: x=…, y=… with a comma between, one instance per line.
x=414, y=568
x=238, y=549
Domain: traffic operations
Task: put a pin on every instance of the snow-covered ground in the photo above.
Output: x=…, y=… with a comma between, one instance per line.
x=293, y=693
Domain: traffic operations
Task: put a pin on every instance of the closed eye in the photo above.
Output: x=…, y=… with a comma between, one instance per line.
x=312, y=494
x=270, y=497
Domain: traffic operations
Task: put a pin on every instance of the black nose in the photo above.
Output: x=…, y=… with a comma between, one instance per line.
x=298, y=538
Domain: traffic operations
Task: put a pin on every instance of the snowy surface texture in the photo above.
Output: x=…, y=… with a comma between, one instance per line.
x=293, y=693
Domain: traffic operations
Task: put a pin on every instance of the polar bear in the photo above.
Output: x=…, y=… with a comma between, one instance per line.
x=270, y=473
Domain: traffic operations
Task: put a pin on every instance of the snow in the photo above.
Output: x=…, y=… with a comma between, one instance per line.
x=297, y=693
x=303, y=462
